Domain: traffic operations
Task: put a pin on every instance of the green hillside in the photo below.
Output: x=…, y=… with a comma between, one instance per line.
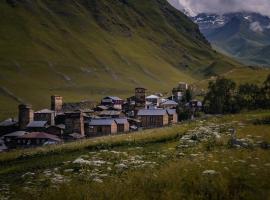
x=90, y=48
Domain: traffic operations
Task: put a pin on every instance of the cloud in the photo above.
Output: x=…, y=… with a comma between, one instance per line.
x=223, y=6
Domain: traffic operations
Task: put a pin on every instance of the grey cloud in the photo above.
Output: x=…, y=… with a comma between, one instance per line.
x=223, y=6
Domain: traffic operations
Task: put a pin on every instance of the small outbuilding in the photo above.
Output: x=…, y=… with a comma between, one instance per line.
x=122, y=125
x=173, y=116
x=153, y=118
x=99, y=127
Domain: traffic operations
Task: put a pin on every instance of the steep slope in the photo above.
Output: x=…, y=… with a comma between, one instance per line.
x=245, y=36
x=90, y=48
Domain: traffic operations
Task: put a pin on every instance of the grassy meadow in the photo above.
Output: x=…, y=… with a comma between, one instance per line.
x=192, y=160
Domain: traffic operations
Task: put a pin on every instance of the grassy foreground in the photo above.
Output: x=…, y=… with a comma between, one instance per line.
x=154, y=164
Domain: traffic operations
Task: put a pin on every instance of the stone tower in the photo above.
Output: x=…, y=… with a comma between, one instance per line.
x=140, y=94
x=74, y=122
x=56, y=103
x=26, y=115
x=179, y=91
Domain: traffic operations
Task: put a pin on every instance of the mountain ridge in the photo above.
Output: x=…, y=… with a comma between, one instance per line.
x=242, y=35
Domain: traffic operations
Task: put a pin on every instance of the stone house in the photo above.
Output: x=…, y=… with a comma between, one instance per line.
x=153, y=99
x=10, y=139
x=37, y=139
x=45, y=115
x=114, y=102
x=56, y=130
x=153, y=118
x=8, y=126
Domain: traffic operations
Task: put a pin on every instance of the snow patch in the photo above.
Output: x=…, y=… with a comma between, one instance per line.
x=256, y=27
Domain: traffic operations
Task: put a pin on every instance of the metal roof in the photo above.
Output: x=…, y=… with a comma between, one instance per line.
x=15, y=134
x=121, y=121
x=101, y=122
x=152, y=112
x=37, y=124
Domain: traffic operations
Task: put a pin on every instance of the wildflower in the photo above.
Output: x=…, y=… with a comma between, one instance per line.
x=267, y=164
x=121, y=166
x=209, y=172
x=253, y=166
x=98, y=180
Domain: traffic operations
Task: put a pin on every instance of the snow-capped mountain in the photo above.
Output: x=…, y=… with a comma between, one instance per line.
x=211, y=21
x=244, y=35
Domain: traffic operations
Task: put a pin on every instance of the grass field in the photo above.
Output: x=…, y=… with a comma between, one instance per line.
x=240, y=75
x=153, y=164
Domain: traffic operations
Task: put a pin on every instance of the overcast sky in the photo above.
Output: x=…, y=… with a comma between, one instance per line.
x=223, y=6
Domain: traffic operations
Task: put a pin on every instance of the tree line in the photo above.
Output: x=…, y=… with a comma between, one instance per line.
x=224, y=96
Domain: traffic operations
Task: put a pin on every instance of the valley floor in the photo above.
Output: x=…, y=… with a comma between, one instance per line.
x=193, y=160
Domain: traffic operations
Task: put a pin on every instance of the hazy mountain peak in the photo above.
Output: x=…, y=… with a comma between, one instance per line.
x=243, y=35
x=256, y=27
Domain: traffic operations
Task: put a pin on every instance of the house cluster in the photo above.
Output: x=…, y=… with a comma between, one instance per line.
x=73, y=121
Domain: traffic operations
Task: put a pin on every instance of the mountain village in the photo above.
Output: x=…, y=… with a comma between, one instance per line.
x=65, y=122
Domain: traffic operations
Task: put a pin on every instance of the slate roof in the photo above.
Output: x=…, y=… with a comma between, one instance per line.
x=121, y=121
x=15, y=134
x=110, y=112
x=101, y=122
x=152, y=112
x=171, y=111
x=37, y=124
x=103, y=107
x=76, y=136
x=45, y=111
x=8, y=122
x=113, y=98
x=170, y=102
x=40, y=135
x=152, y=97
x=61, y=126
